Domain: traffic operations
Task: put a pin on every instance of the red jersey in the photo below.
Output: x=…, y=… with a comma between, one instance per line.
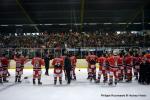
x=57, y=62
x=4, y=61
x=120, y=61
x=137, y=60
x=129, y=60
x=102, y=61
x=0, y=65
x=113, y=61
x=91, y=59
x=20, y=61
x=37, y=62
x=147, y=56
x=73, y=60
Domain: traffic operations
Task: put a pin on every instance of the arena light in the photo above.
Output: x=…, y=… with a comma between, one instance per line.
x=121, y=23
x=16, y=34
x=118, y=32
x=4, y=25
x=33, y=24
x=18, y=25
x=38, y=33
x=48, y=24
x=134, y=32
x=136, y=23
x=92, y=23
x=77, y=24
x=85, y=23
x=107, y=23
x=62, y=24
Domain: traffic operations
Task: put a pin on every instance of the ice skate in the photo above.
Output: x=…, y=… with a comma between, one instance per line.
x=110, y=82
x=55, y=82
x=60, y=82
x=5, y=81
x=97, y=81
x=116, y=81
x=34, y=82
x=39, y=83
x=1, y=81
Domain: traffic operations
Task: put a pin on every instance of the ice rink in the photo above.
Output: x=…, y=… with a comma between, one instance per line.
x=81, y=89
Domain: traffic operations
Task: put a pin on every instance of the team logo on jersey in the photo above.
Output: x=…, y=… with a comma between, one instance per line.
x=36, y=65
x=18, y=64
x=58, y=63
x=58, y=70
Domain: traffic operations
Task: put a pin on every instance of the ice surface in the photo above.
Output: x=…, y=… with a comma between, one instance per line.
x=81, y=89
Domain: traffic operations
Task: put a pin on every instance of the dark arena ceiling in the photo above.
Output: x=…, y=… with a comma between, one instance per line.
x=78, y=15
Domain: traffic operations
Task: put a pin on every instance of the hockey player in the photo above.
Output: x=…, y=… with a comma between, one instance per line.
x=58, y=67
x=147, y=70
x=129, y=65
x=5, y=64
x=113, y=68
x=102, y=60
x=92, y=59
x=1, y=72
x=20, y=61
x=121, y=67
x=136, y=65
x=63, y=58
x=87, y=59
x=73, y=63
x=37, y=62
x=147, y=57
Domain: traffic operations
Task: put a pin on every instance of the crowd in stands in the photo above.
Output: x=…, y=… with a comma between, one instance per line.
x=73, y=39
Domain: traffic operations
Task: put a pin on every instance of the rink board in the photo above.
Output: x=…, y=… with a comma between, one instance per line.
x=81, y=63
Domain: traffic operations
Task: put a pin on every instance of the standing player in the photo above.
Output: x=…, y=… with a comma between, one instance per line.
x=147, y=70
x=87, y=59
x=4, y=64
x=129, y=65
x=63, y=58
x=113, y=68
x=92, y=59
x=121, y=67
x=102, y=60
x=1, y=72
x=136, y=65
x=20, y=61
x=73, y=63
x=58, y=67
x=37, y=62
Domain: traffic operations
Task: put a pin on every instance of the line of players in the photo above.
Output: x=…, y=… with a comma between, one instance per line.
x=112, y=67
x=115, y=67
x=37, y=63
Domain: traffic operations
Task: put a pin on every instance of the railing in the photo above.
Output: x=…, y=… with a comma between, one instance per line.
x=79, y=52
